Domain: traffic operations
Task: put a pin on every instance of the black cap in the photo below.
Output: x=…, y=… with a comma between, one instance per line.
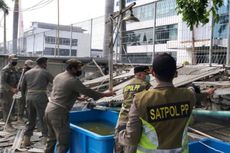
x=141, y=69
x=74, y=63
x=40, y=60
x=164, y=66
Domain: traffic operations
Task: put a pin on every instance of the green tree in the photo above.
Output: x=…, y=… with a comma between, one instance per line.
x=195, y=12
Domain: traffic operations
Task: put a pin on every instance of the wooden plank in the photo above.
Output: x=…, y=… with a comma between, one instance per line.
x=213, y=83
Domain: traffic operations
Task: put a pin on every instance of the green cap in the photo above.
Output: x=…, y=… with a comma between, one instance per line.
x=74, y=63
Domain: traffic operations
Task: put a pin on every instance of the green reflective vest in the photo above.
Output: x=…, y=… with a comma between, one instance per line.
x=165, y=114
x=149, y=141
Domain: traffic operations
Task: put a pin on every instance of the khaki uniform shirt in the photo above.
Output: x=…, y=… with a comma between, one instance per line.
x=35, y=81
x=9, y=78
x=136, y=85
x=166, y=108
x=66, y=89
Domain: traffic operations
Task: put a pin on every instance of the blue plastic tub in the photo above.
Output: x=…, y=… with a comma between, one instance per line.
x=209, y=146
x=85, y=141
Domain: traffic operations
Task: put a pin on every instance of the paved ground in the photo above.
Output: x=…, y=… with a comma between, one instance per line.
x=11, y=141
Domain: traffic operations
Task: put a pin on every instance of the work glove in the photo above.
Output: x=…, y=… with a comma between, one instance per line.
x=17, y=95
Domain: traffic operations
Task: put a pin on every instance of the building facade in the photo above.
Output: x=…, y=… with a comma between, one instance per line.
x=41, y=39
x=172, y=34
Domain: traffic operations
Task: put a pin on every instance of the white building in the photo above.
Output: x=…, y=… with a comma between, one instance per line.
x=41, y=39
x=171, y=33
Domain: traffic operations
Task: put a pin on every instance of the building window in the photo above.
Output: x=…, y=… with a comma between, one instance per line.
x=64, y=52
x=166, y=8
x=49, y=51
x=145, y=36
x=139, y=37
x=74, y=42
x=165, y=33
x=221, y=28
x=62, y=41
x=144, y=12
x=73, y=52
x=50, y=40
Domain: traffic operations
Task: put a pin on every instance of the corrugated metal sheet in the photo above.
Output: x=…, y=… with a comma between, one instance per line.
x=186, y=75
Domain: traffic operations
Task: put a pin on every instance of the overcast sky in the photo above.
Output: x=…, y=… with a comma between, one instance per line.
x=71, y=11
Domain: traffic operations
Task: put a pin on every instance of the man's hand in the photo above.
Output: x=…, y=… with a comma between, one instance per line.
x=211, y=91
x=108, y=94
x=14, y=90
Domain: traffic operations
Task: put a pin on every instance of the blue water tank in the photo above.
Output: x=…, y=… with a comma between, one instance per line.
x=85, y=141
x=209, y=146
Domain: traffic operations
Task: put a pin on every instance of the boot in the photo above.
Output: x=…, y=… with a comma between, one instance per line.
x=26, y=141
x=10, y=128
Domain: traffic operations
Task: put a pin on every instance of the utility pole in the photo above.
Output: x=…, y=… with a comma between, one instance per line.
x=228, y=42
x=110, y=57
x=110, y=20
x=109, y=6
x=122, y=49
x=15, y=25
x=5, y=50
x=58, y=52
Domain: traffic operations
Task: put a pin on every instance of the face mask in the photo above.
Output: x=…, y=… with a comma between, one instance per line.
x=147, y=78
x=14, y=63
x=78, y=73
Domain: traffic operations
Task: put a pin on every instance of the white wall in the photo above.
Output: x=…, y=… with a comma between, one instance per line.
x=83, y=48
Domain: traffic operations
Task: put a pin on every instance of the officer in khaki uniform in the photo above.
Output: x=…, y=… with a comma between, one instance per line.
x=139, y=83
x=158, y=118
x=22, y=101
x=66, y=89
x=8, y=87
x=34, y=85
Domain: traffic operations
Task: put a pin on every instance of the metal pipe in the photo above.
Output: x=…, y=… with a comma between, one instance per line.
x=110, y=58
x=211, y=39
x=71, y=37
x=91, y=36
x=154, y=30
x=211, y=113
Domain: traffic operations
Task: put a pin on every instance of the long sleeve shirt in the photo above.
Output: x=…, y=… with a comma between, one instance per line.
x=132, y=134
x=66, y=89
